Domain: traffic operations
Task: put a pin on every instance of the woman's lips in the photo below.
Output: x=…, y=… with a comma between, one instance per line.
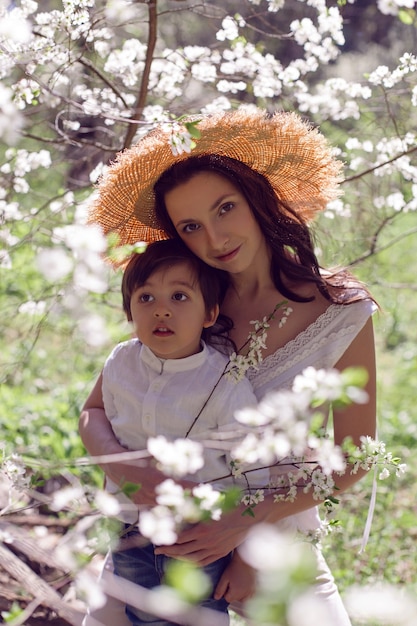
x=229, y=255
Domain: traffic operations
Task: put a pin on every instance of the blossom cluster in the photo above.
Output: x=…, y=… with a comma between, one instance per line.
x=240, y=363
x=176, y=506
x=15, y=474
x=280, y=435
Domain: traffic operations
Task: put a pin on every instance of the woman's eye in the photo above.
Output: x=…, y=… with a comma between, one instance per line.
x=225, y=208
x=145, y=297
x=190, y=228
x=179, y=297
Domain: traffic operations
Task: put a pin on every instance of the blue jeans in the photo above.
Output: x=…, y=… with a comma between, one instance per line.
x=141, y=566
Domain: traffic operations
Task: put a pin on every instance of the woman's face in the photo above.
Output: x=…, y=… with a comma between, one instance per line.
x=214, y=220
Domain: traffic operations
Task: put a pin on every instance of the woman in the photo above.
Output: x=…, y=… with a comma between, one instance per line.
x=241, y=201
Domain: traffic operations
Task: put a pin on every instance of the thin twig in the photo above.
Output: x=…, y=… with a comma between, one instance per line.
x=376, y=167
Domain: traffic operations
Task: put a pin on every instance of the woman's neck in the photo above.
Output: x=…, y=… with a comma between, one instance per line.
x=245, y=290
x=255, y=281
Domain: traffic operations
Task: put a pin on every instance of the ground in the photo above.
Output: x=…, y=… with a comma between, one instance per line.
x=33, y=576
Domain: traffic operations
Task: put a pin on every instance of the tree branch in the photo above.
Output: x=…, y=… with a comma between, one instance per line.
x=87, y=63
x=143, y=91
x=376, y=167
x=374, y=250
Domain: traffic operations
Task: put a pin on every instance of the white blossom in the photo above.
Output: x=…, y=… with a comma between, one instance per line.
x=106, y=503
x=330, y=457
x=327, y=383
x=32, y=308
x=158, y=525
x=391, y=7
x=265, y=546
x=54, y=263
x=414, y=96
x=218, y=104
x=10, y=211
x=382, y=604
x=225, y=86
x=170, y=494
x=208, y=498
x=176, y=458
x=251, y=499
x=5, y=260
x=230, y=28
x=5, y=536
x=15, y=29
x=307, y=604
x=14, y=469
x=180, y=140
x=80, y=238
x=11, y=120
x=66, y=496
x=400, y=469
x=93, y=328
x=89, y=589
x=252, y=416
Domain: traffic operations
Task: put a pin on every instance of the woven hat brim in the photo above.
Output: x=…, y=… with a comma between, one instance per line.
x=295, y=158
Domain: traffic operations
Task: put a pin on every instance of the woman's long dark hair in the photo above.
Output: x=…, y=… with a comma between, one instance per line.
x=288, y=236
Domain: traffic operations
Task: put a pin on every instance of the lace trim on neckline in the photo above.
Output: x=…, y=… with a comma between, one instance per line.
x=299, y=348
x=303, y=338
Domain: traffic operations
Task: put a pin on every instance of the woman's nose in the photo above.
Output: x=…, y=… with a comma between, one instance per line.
x=217, y=240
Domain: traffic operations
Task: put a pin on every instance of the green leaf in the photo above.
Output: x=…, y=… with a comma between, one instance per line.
x=13, y=613
x=355, y=376
x=190, y=581
x=129, y=489
x=230, y=499
x=192, y=129
x=333, y=500
x=407, y=16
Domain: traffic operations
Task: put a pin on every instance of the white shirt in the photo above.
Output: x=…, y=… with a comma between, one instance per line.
x=145, y=396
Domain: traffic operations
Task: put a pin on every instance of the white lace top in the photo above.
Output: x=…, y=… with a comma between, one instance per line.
x=320, y=345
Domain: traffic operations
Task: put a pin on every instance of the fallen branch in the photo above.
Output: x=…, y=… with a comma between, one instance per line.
x=37, y=587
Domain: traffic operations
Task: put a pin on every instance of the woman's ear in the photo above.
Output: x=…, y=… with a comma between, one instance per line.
x=211, y=316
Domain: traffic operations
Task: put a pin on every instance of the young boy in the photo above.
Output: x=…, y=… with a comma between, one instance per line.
x=161, y=381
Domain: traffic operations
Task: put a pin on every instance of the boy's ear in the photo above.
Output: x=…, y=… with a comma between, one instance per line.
x=211, y=316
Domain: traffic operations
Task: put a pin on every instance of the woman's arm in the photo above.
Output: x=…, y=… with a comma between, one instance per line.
x=99, y=439
x=205, y=542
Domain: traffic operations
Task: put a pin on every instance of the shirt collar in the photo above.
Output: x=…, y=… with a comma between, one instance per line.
x=173, y=365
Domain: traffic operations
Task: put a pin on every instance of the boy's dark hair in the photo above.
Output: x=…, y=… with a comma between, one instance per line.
x=213, y=283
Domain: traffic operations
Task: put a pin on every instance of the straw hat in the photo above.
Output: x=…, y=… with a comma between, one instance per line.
x=293, y=156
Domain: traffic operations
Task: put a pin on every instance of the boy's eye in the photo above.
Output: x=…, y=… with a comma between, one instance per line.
x=145, y=297
x=179, y=297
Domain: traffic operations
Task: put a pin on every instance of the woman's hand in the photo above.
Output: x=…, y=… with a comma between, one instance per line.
x=238, y=581
x=100, y=441
x=208, y=541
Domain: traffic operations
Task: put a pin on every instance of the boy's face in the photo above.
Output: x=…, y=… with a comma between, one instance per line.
x=168, y=312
